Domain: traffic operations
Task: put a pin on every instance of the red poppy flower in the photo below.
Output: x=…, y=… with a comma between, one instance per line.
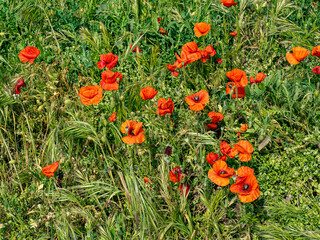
x=108, y=60
x=316, y=51
x=172, y=68
x=90, y=94
x=260, y=77
x=163, y=31
x=19, y=84
x=165, y=106
x=316, y=70
x=146, y=180
x=247, y=187
x=197, y=100
x=219, y=60
x=213, y=157
x=159, y=19
x=244, y=148
x=240, y=90
x=245, y=171
x=29, y=54
x=50, y=169
x=209, y=50
x=176, y=175
x=136, y=49
x=201, y=29
x=215, y=117
x=228, y=3
x=226, y=149
x=298, y=55
x=243, y=128
x=109, y=80
x=113, y=117
x=148, y=93
x=134, y=131
x=220, y=173
x=234, y=33
x=238, y=76
x=184, y=188
x=190, y=53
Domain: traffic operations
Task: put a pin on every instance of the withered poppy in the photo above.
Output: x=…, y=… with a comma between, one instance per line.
x=228, y=3
x=136, y=49
x=201, y=29
x=226, y=149
x=176, y=175
x=197, y=100
x=107, y=60
x=90, y=94
x=241, y=91
x=19, y=84
x=50, y=169
x=29, y=54
x=168, y=151
x=172, y=68
x=163, y=31
x=233, y=33
x=238, y=76
x=184, y=188
x=134, y=131
x=316, y=51
x=316, y=70
x=148, y=93
x=219, y=60
x=220, y=173
x=298, y=55
x=213, y=157
x=109, y=80
x=165, y=106
x=244, y=148
x=113, y=117
x=247, y=187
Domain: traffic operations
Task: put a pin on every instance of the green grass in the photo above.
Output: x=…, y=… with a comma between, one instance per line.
x=103, y=195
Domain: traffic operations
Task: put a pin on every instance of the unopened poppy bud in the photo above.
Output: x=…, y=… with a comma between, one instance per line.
x=316, y=93
x=67, y=102
x=121, y=97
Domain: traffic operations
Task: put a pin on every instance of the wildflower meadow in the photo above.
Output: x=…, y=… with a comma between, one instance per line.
x=160, y=119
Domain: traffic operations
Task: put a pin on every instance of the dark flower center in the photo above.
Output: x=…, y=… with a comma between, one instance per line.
x=223, y=172
x=246, y=187
x=196, y=98
x=230, y=85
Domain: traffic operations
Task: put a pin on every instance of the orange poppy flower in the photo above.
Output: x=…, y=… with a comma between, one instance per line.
x=219, y=60
x=215, y=117
x=90, y=94
x=29, y=54
x=298, y=55
x=113, y=117
x=172, y=68
x=134, y=131
x=201, y=29
x=244, y=148
x=238, y=76
x=176, y=175
x=226, y=149
x=316, y=51
x=316, y=70
x=50, y=169
x=245, y=171
x=148, y=93
x=136, y=49
x=197, y=100
x=260, y=77
x=240, y=90
x=228, y=3
x=146, y=180
x=109, y=80
x=190, y=53
x=209, y=50
x=108, y=60
x=163, y=31
x=184, y=188
x=220, y=173
x=213, y=157
x=244, y=127
x=247, y=187
x=165, y=106
x=234, y=33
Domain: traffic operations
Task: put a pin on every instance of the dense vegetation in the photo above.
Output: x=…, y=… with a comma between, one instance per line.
x=98, y=191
